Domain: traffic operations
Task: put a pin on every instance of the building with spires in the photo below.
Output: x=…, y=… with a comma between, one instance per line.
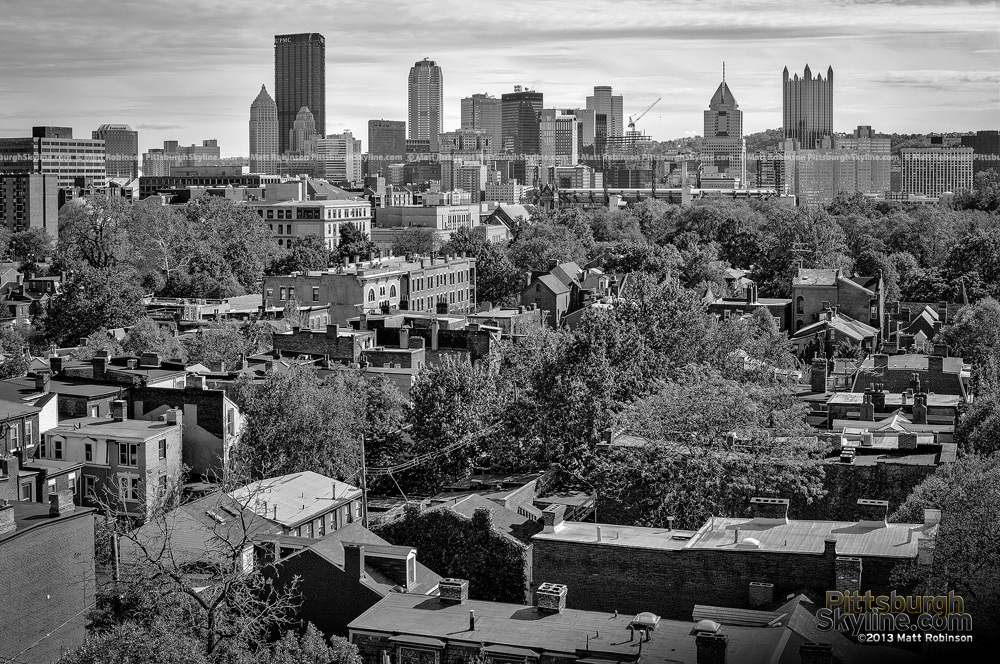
x=299, y=80
x=807, y=105
x=263, y=134
x=121, y=150
x=302, y=136
x=425, y=101
x=724, y=146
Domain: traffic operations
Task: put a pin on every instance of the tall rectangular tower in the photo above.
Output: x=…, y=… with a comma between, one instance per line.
x=723, y=145
x=424, y=102
x=121, y=149
x=483, y=112
x=520, y=115
x=299, y=80
x=263, y=134
x=807, y=105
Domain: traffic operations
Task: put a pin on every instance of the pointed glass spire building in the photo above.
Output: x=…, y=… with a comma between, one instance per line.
x=807, y=107
x=724, y=146
x=264, y=134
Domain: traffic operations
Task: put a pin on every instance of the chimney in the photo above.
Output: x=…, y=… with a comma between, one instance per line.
x=815, y=653
x=174, y=416
x=453, y=591
x=551, y=597
x=55, y=364
x=100, y=365
x=867, y=408
x=435, y=328
x=935, y=364
x=42, y=378
x=829, y=345
x=552, y=518
x=770, y=510
x=817, y=375
x=878, y=397
x=872, y=513
x=118, y=410
x=761, y=594
x=404, y=337
x=354, y=560
x=920, y=409
x=848, y=574
x=363, y=321
x=7, y=524
x=149, y=360
x=61, y=503
x=881, y=361
x=196, y=382
x=472, y=620
x=711, y=645
x=907, y=441
x=332, y=331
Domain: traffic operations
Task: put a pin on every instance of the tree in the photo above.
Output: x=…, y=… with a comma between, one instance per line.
x=310, y=647
x=95, y=342
x=498, y=280
x=630, y=256
x=94, y=231
x=301, y=255
x=31, y=245
x=985, y=194
x=146, y=336
x=93, y=299
x=541, y=243
x=216, y=344
x=973, y=259
x=966, y=549
x=354, y=243
x=415, y=240
x=974, y=334
x=135, y=644
x=14, y=363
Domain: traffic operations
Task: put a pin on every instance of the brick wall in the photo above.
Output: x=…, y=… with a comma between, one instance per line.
x=670, y=583
x=339, y=348
x=46, y=579
x=845, y=483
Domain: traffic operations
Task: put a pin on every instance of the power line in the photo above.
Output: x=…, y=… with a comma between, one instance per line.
x=416, y=461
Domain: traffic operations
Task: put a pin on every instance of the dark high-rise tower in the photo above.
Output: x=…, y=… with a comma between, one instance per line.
x=520, y=116
x=808, y=107
x=299, y=80
x=425, y=100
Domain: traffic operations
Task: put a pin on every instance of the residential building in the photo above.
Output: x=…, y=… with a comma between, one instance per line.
x=154, y=163
x=132, y=463
x=779, y=308
x=767, y=554
x=724, y=146
x=831, y=330
x=304, y=504
x=520, y=114
x=345, y=573
x=20, y=428
x=446, y=284
x=47, y=577
x=986, y=150
x=425, y=102
x=340, y=156
x=30, y=200
x=555, y=292
x=264, y=134
x=288, y=220
x=121, y=150
x=77, y=163
x=934, y=171
x=817, y=290
x=938, y=374
x=299, y=81
x=386, y=145
x=484, y=112
x=807, y=107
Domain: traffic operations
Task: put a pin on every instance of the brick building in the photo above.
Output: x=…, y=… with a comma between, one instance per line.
x=858, y=298
x=779, y=308
x=289, y=220
x=726, y=562
x=47, y=578
x=445, y=285
x=304, y=504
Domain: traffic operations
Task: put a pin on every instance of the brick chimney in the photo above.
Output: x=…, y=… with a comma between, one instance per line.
x=7, y=524
x=354, y=560
x=817, y=375
x=920, y=409
x=453, y=591
x=935, y=364
x=435, y=328
x=867, y=407
x=118, y=413
x=55, y=364
x=42, y=378
x=552, y=518
x=404, y=337
x=149, y=360
x=848, y=574
x=878, y=397
x=100, y=364
x=551, y=597
x=761, y=593
x=711, y=645
x=816, y=653
x=175, y=416
x=61, y=503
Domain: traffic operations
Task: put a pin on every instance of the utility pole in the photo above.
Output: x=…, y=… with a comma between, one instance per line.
x=364, y=486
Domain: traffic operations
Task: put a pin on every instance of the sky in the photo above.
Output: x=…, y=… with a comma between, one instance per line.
x=188, y=70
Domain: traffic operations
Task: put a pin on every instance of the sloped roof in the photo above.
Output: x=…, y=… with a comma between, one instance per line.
x=723, y=97
x=844, y=325
x=505, y=521
x=553, y=284
x=567, y=273
x=901, y=368
x=815, y=277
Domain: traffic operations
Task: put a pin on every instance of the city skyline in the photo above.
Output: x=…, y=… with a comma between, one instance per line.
x=919, y=68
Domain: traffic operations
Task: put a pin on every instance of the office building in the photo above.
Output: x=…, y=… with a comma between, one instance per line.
x=78, y=163
x=483, y=112
x=866, y=162
x=30, y=200
x=807, y=105
x=160, y=162
x=520, y=114
x=121, y=150
x=986, y=149
x=264, y=134
x=289, y=220
x=299, y=80
x=340, y=157
x=154, y=163
x=608, y=115
x=557, y=141
x=425, y=101
x=386, y=145
x=303, y=134
x=935, y=170
x=724, y=146
x=856, y=164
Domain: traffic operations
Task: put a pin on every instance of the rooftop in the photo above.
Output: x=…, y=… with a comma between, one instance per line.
x=627, y=536
x=298, y=497
x=107, y=426
x=28, y=516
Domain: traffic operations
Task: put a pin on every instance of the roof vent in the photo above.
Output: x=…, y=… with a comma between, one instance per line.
x=706, y=626
x=749, y=543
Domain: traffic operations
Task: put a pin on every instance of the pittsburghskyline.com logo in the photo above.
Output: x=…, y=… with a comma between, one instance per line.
x=896, y=618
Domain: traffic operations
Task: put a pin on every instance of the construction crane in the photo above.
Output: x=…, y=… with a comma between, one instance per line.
x=631, y=122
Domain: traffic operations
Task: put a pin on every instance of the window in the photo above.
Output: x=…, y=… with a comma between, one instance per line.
x=128, y=454
x=270, y=292
x=392, y=291
x=281, y=293
x=381, y=291
x=95, y=411
x=72, y=482
x=89, y=485
x=371, y=295
x=28, y=431
x=43, y=449
x=57, y=448
x=15, y=442
x=291, y=292
x=163, y=448
x=88, y=451
x=315, y=293
x=799, y=304
x=161, y=485
x=128, y=487
x=25, y=493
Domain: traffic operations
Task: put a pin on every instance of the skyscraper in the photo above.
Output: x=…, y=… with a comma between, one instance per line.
x=299, y=80
x=723, y=145
x=425, y=100
x=610, y=106
x=520, y=114
x=340, y=156
x=121, y=149
x=78, y=162
x=263, y=134
x=807, y=107
x=483, y=112
x=386, y=145
x=934, y=170
x=303, y=134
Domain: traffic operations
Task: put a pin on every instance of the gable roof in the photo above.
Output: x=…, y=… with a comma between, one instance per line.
x=553, y=284
x=505, y=521
x=844, y=325
x=897, y=375
x=567, y=273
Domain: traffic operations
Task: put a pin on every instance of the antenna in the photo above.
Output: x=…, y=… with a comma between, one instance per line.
x=723, y=71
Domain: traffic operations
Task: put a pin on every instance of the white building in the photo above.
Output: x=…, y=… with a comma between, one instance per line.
x=935, y=170
x=340, y=157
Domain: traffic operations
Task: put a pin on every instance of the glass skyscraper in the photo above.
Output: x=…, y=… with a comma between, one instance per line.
x=299, y=80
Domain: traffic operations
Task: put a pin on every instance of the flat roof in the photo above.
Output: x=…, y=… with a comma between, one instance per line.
x=422, y=619
x=106, y=426
x=29, y=516
x=299, y=497
x=19, y=388
x=895, y=399
x=627, y=536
